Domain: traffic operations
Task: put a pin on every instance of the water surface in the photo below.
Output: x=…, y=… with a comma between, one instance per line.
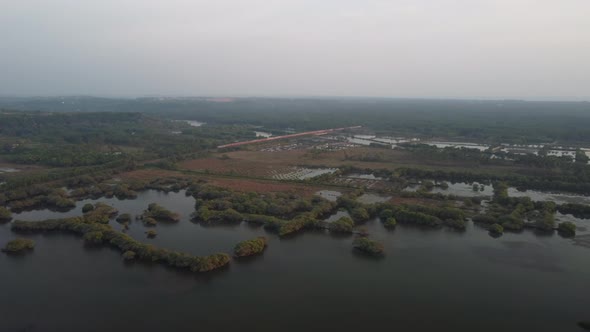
x=430, y=280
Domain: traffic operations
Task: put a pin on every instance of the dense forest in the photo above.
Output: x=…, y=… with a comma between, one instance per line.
x=84, y=139
x=490, y=121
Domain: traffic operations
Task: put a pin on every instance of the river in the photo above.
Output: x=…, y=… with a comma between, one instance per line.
x=430, y=280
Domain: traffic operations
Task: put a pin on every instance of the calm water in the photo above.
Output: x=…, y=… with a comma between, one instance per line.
x=559, y=198
x=330, y=195
x=363, y=176
x=464, y=189
x=458, y=145
x=461, y=189
x=430, y=280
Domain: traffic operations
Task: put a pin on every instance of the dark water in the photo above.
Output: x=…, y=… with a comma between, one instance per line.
x=430, y=280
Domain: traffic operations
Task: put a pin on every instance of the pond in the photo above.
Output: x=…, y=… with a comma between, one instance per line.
x=558, y=198
x=339, y=214
x=461, y=189
x=193, y=123
x=395, y=140
x=364, y=176
x=330, y=195
x=360, y=141
x=430, y=280
x=464, y=189
x=458, y=145
x=262, y=134
x=8, y=170
x=177, y=236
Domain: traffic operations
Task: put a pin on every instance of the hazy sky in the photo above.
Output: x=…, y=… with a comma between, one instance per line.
x=392, y=48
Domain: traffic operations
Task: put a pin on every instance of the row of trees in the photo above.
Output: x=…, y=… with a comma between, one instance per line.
x=103, y=234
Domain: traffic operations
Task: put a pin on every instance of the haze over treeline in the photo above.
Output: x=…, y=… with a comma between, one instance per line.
x=530, y=49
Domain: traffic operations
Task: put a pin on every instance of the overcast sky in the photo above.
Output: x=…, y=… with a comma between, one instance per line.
x=391, y=48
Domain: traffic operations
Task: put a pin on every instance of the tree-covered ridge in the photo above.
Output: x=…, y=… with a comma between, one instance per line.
x=492, y=121
x=83, y=139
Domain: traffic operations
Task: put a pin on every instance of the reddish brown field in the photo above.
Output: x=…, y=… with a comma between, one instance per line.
x=260, y=163
x=245, y=185
x=148, y=174
x=228, y=166
x=246, y=163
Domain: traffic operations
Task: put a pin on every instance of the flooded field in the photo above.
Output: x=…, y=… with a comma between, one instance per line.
x=301, y=173
x=193, y=123
x=262, y=134
x=8, y=170
x=363, y=176
x=330, y=195
x=458, y=145
x=558, y=198
x=395, y=140
x=464, y=189
x=461, y=189
x=360, y=141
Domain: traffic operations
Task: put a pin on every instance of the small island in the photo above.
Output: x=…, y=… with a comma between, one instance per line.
x=250, y=247
x=5, y=214
x=18, y=245
x=129, y=255
x=496, y=230
x=87, y=208
x=369, y=247
x=123, y=218
x=390, y=222
x=567, y=229
x=160, y=213
x=342, y=225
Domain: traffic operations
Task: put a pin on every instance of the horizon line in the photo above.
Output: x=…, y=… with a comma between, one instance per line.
x=262, y=96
